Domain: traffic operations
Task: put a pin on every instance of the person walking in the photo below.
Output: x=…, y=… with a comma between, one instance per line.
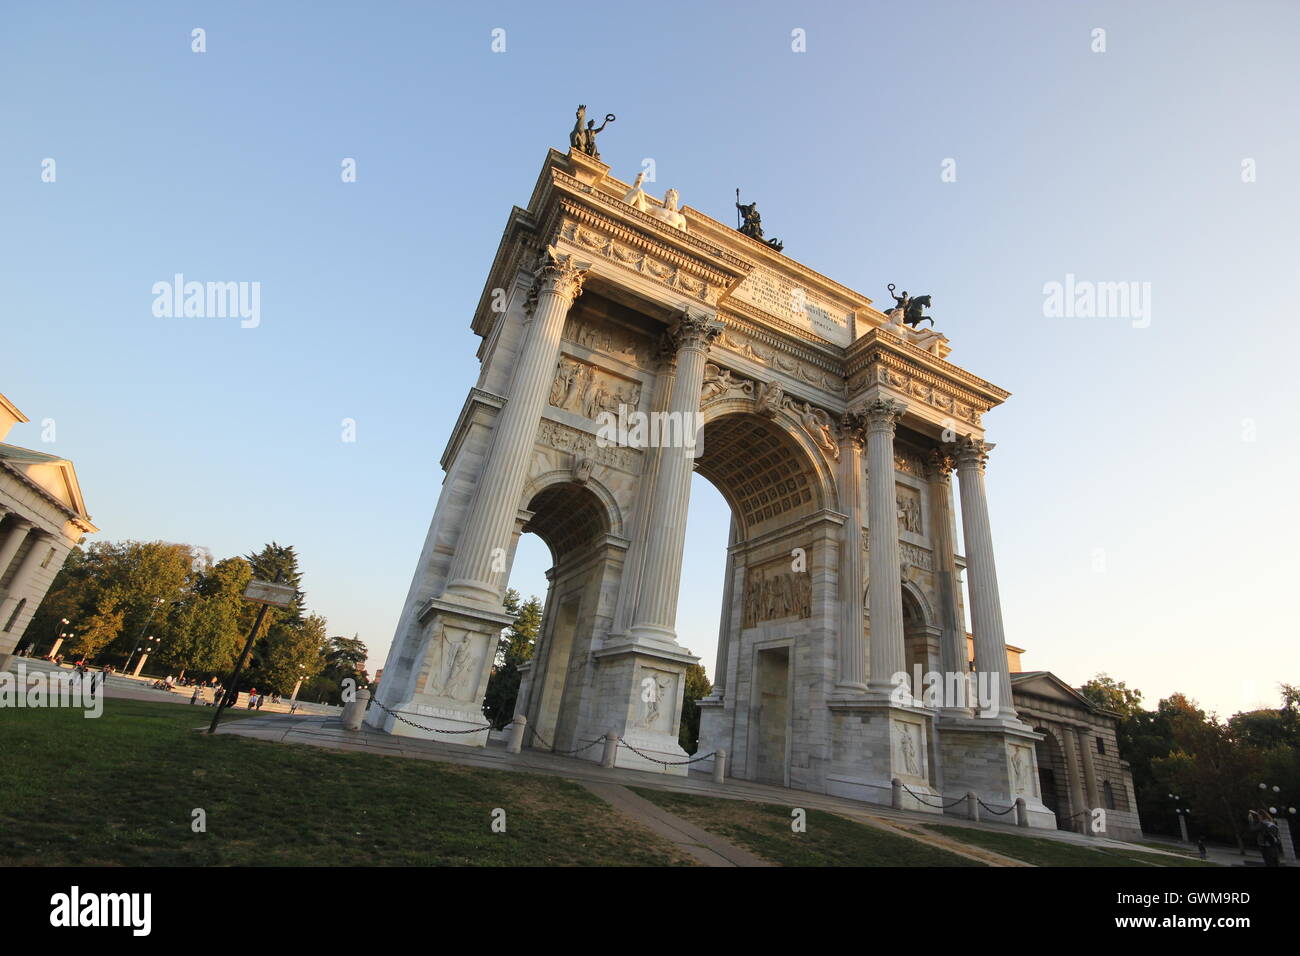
x=1200, y=846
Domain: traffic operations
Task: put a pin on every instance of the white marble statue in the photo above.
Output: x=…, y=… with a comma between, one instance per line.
x=669, y=212
x=636, y=195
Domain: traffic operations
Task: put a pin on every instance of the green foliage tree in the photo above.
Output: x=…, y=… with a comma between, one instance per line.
x=205, y=633
x=291, y=650
x=140, y=580
x=1113, y=695
x=697, y=687
x=513, y=649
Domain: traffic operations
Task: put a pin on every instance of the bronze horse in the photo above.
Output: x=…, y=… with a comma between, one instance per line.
x=913, y=314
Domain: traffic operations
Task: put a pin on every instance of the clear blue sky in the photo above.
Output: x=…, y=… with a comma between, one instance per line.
x=1115, y=166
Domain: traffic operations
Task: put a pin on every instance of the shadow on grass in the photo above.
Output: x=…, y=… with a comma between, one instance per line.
x=122, y=790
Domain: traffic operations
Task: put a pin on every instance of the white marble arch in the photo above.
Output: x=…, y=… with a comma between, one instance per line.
x=925, y=610
x=822, y=470
x=562, y=476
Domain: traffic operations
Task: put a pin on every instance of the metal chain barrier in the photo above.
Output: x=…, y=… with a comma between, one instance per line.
x=938, y=806
x=996, y=813
x=432, y=730
x=548, y=746
x=663, y=763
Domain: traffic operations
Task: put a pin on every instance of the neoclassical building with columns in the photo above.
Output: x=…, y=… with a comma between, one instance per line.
x=841, y=439
x=42, y=518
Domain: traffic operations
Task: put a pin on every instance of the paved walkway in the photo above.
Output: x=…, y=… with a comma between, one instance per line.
x=328, y=732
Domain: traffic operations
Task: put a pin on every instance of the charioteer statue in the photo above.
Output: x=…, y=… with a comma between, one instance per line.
x=583, y=139
x=909, y=309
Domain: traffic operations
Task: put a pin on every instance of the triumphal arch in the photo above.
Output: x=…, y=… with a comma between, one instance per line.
x=833, y=431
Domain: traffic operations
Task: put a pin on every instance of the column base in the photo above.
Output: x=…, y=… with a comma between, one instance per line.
x=995, y=758
x=455, y=663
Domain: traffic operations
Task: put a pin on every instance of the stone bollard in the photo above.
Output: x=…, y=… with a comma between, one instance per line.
x=1022, y=812
x=972, y=806
x=611, y=749
x=355, y=712
x=517, y=727
x=897, y=801
x=720, y=766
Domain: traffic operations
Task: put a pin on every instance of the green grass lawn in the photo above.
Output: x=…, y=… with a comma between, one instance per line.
x=830, y=840
x=1042, y=852
x=119, y=790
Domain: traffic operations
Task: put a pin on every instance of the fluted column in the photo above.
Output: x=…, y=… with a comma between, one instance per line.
x=18, y=588
x=1073, y=781
x=985, y=605
x=853, y=584
x=1089, y=770
x=477, y=570
x=14, y=537
x=719, y=689
x=885, y=585
x=952, y=654
x=656, y=614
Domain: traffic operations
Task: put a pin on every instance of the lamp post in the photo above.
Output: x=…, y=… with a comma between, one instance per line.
x=1264, y=792
x=1182, y=816
x=60, y=637
x=151, y=644
x=298, y=686
x=139, y=637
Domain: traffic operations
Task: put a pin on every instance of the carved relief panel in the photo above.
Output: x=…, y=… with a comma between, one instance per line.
x=587, y=391
x=775, y=592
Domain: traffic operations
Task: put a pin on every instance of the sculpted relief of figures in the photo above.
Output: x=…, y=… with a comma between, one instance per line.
x=581, y=389
x=907, y=748
x=720, y=381
x=818, y=426
x=612, y=340
x=804, y=371
x=909, y=510
x=658, y=691
x=453, y=664
x=770, y=596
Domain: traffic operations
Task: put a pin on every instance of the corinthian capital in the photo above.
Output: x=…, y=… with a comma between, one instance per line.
x=971, y=452
x=941, y=461
x=694, y=330
x=557, y=272
x=883, y=414
x=852, y=427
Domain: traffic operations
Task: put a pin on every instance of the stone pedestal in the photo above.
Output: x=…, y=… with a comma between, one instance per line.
x=639, y=693
x=460, y=645
x=997, y=760
x=876, y=744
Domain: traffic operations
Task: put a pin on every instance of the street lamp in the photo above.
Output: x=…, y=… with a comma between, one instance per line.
x=151, y=644
x=1182, y=813
x=156, y=603
x=59, y=637
x=1276, y=790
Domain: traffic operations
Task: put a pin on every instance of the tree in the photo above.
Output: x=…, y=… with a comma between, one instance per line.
x=100, y=628
x=291, y=651
x=514, y=649
x=697, y=686
x=205, y=632
x=1104, y=691
x=345, y=659
x=140, y=579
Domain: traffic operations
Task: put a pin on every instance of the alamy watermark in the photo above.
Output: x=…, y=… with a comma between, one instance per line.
x=52, y=689
x=1084, y=299
x=634, y=429
x=179, y=299
x=976, y=690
